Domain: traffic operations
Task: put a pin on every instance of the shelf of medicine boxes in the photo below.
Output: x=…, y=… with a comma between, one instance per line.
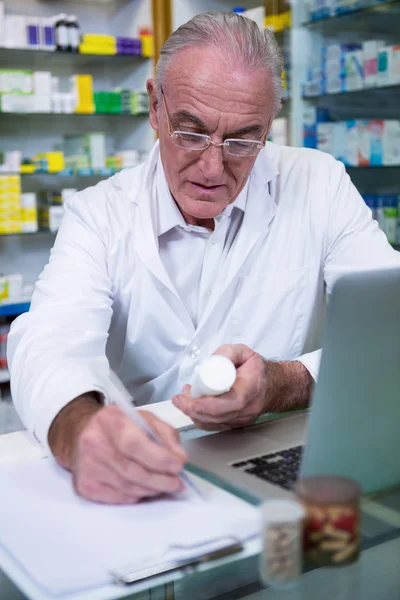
x=68, y=115
x=14, y=309
x=4, y=376
x=106, y=172
x=378, y=17
x=366, y=93
x=15, y=57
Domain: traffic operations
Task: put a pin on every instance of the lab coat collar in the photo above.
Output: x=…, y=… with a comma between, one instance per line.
x=266, y=168
x=168, y=214
x=260, y=211
x=257, y=219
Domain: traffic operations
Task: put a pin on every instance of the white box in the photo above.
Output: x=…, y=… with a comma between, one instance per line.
x=56, y=214
x=14, y=103
x=352, y=143
x=67, y=193
x=370, y=61
x=129, y=158
x=14, y=31
x=32, y=32
x=391, y=143
x=11, y=162
x=15, y=81
x=280, y=132
x=384, y=59
x=394, y=66
x=97, y=149
x=376, y=128
x=340, y=141
x=325, y=137
x=2, y=23
x=257, y=15
x=364, y=143
x=47, y=34
x=354, y=79
x=42, y=84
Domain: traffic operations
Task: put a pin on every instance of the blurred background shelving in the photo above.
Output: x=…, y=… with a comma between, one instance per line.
x=328, y=104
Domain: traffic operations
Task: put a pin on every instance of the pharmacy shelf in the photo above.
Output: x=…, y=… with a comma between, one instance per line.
x=14, y=58
x=28, y=234
x=374, y=167
x=12, y=310
x=371, y=12
x=364, y=93
x=4, y=376
x=68, y=173
x=20, y=115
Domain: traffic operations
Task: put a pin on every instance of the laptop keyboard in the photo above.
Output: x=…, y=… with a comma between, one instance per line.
x=280, y=468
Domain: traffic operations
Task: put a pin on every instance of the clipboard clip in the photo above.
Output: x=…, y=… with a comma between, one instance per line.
x=185, y=565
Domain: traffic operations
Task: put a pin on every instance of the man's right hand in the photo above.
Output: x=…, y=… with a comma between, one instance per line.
x=112, y=460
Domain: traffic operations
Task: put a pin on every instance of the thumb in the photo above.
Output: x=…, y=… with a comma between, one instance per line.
x=237, y=353
x=169, y=435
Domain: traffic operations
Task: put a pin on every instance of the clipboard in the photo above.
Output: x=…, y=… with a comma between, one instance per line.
x=174, y=534
x=20, y=580
x=226, y=547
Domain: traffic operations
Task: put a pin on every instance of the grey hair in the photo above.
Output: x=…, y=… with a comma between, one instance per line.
x=239, y=36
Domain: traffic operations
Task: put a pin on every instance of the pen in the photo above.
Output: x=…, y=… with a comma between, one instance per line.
x=124, y=400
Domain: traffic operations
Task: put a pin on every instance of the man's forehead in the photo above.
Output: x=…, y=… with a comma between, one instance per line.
x=208, y=72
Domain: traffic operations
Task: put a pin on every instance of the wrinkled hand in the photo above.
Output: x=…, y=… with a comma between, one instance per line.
x=242, y=405
x=114, y=461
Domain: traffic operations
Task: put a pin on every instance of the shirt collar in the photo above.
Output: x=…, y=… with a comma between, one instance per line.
x=169, y=215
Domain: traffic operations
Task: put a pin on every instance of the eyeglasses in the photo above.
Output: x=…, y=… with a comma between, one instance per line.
x=200, y=141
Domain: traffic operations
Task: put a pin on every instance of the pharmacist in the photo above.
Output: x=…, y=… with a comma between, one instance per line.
x=221, y=241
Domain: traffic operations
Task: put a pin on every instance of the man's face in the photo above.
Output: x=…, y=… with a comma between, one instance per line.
x=205, y=93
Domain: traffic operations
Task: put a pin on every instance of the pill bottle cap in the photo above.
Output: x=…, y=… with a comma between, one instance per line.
x=282, y=511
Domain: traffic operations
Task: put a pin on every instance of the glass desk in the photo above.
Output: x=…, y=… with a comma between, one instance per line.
x=376, y=576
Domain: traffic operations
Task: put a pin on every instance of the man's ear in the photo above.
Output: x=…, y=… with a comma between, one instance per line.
x=151, y=90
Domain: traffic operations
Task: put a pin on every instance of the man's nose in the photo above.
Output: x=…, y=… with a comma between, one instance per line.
x=212, y=162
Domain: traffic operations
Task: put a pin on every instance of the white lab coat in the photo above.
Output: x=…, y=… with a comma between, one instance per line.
x=106, y=299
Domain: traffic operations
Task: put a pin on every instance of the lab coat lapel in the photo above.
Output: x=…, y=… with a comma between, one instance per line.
x=257, y=219
x=145, y=237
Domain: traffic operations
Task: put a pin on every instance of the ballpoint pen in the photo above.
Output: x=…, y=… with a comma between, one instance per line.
x=124, y=400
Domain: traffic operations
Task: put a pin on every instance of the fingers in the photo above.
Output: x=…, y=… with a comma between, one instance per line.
x=117, y=463
x=238, y=353
x=167, y=434
x=133, y=444
x=131, y=479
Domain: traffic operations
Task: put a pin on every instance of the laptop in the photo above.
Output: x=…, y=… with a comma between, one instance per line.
x=353, y=426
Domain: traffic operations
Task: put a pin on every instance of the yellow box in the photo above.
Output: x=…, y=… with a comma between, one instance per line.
x=27, y=169
x=10, y=178
x=287, y=19
x=92, y=49
x=10, y=215
x=83, y=85
x=274, y=22
x=29, y=214
x=98, y=39
x=147, y=45
x=55, y=161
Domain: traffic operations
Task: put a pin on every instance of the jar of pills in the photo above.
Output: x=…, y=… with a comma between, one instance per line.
x=332, y=523
x=281, y=557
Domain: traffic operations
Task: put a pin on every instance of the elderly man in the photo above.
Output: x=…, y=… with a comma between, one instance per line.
x=222, y=242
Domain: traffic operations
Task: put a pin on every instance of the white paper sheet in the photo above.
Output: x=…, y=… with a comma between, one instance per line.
x=170, y=414
x=67, y=544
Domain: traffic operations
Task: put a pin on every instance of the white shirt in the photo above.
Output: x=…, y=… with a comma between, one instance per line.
x=193, y=255
x=106, y=297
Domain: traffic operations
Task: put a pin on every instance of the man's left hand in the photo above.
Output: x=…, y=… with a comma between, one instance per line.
x=242, y=405
x=261, y=386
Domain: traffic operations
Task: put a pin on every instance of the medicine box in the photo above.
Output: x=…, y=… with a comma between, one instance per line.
x=370, y=52
x=391, y=143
